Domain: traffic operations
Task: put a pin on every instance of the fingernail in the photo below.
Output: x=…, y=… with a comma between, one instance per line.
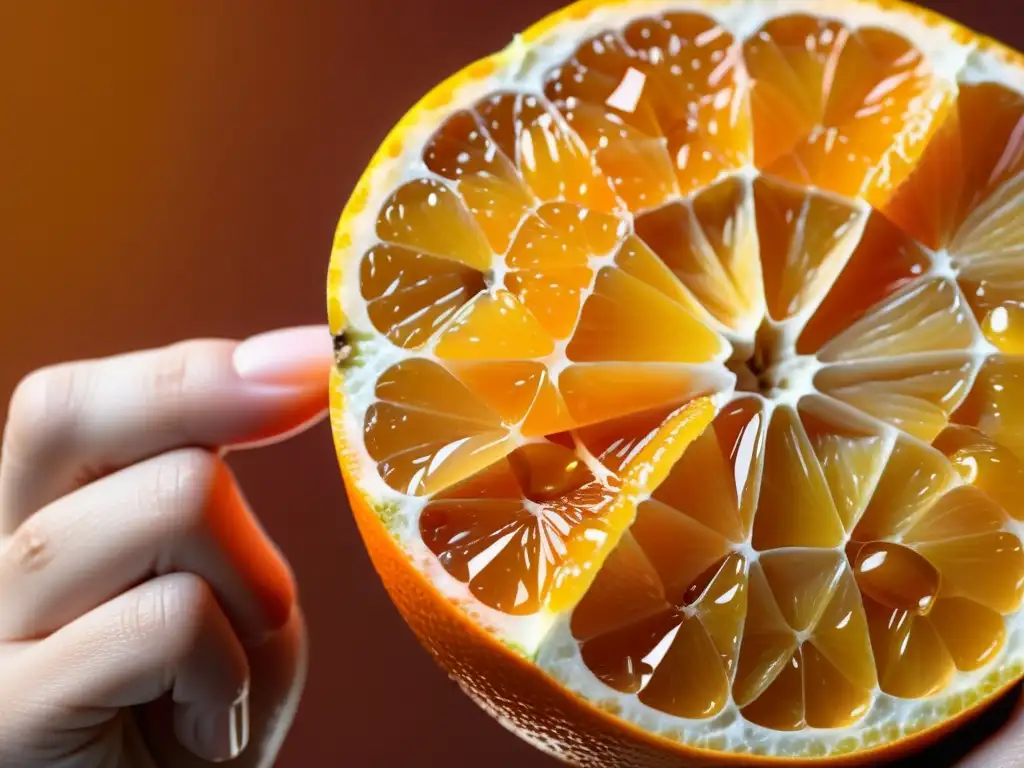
x=292, y=357
x=223, y=734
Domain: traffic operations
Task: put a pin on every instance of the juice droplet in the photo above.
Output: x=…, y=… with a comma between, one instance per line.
x=1004, y=327
x=897, y=577
x=986, y=465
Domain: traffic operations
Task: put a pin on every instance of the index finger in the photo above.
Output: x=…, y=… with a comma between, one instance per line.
x=74, y=422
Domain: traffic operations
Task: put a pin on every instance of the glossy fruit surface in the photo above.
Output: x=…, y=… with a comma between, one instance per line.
x=678, y=393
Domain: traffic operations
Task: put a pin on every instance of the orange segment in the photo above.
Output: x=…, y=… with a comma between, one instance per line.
x=987, y=568
x=636, y=259
x=914, y=478
x=548, y=155
x=710, y=246
x=927, y=317
x=679, y=664
x=514, y=552
x=805, y=241
x=841, y=634
x=722, y=609
x=546, y=472
x=427, y=216
x=593, y=233
x=993, y=230
x=916, y=396
x=624, y=659
x=962, y=511
x=679, y=548
x=971, y=632
x=614, y=322
x=702, y=104
x=912, y=660
x=716, y=480
x=725, y=212
x=464, y=152
x=509, y=387
x=985, y=464
x=781, y=706
x=419, y=448
x=596, y=392
x=852, y=456
x=626, y=591
x=674, y=80
x=453, y=452
x=520, y=553
x=410, y=296
x=976, y=152
x=795, y=508
x=539, y=245
x=996, y=403
x=802, y=581
x=497, y=205
x=884, y=260
x=768, y=642
x=1003, y=325
x=553, y=297
x=689, y=679
x=846, y=110
x=896, y=577
x=494, y=327
x=831, y=700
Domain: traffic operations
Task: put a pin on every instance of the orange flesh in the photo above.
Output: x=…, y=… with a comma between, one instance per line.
x=798, y=556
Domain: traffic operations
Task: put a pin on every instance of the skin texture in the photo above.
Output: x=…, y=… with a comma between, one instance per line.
x=145, y=617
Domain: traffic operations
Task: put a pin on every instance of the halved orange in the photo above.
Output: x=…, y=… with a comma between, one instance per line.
x=680, y=382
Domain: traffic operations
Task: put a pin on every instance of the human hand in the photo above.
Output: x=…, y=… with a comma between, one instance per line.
x=145, y=617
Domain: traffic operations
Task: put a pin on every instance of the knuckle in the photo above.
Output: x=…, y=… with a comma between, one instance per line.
x=175, y=609
x=186, y=484
x=183, y=366
x=171, y=371
x=29, y=549
x=178, y=372
x=43, y=409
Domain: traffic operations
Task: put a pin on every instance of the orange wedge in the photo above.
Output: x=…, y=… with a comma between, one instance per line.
x=680, y=370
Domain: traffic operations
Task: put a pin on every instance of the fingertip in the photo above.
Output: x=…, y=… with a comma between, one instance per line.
x=291, y=357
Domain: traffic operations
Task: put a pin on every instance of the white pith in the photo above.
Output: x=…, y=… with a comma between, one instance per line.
x=545, y=637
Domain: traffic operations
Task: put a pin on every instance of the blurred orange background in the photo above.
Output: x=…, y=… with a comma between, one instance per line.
x=171, y=169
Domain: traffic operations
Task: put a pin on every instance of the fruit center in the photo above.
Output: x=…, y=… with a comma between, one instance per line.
x=771, y=366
